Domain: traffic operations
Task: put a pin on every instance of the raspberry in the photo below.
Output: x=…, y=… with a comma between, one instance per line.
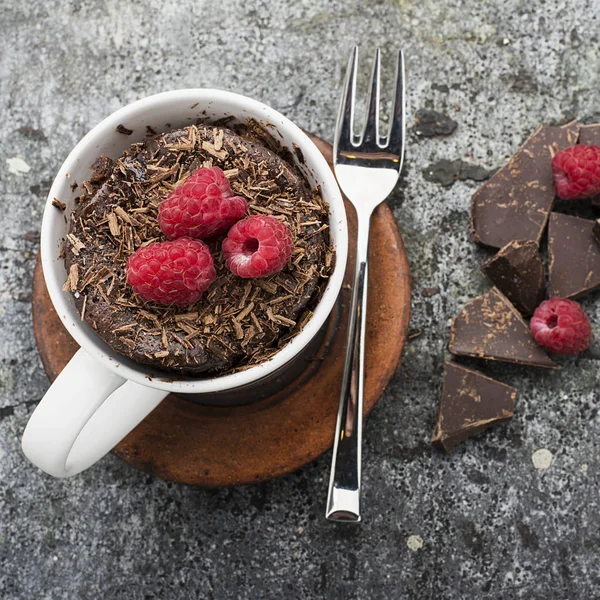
x=201, y=207
x=257, y=246
x=576, y=172
x=561, y=326
x=176, y=272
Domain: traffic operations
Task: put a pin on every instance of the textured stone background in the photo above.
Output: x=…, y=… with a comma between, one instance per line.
x=492, y=525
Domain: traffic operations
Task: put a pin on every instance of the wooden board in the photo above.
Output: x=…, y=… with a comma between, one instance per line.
x=211, y=446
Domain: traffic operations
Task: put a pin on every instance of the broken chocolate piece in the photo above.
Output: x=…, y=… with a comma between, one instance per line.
x=470, y=403
x=490, y=327
x=596, y=230
x=515, y=203
x=574, y=256
x=517, y=271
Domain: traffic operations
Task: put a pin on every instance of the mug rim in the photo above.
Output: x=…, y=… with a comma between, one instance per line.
x=145, y=374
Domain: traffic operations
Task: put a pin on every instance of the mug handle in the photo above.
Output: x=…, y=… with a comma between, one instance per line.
x=84, y=414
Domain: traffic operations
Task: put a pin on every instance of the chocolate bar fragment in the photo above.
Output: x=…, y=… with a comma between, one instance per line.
x=470, y=403
x=518, y=272
x=574, y=256
x=515, y=203
x=490, y=327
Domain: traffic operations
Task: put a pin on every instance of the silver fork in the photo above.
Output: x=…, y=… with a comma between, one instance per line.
x=367, y=168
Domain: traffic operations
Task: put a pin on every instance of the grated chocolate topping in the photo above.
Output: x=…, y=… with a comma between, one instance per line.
x=238, y=322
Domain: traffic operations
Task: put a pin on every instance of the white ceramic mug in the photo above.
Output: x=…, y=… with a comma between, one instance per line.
x=101, y=395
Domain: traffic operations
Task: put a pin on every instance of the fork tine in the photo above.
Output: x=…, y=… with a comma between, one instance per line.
x=370, y=134
x=344, y=131
x=396, y=135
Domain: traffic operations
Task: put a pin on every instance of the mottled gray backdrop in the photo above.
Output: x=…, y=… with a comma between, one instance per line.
x=491, y=525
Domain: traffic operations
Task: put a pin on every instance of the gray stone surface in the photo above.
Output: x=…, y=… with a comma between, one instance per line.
x=492, y=525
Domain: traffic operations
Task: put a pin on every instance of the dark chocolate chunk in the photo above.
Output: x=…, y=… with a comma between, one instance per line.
x=515, y=203
x=518, y=272
x=124, y=130
x=574, y=256
x=490, y=327
x=430, y=123
x=596, y=230
x=470, y=403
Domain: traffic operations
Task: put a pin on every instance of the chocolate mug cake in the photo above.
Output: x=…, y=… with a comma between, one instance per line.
x=237, y=322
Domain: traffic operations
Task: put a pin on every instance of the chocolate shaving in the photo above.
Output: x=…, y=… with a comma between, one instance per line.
x=125, y=217
x=124, y=130
x=76, y=243
x=71, y=282
x=213, y=151
x=279, y=318
x=113, y=224
x=218, y=139
x=245, y=312
x=124, y=328
x=268, y=286
x=239, y=332
x=56, y=202
x=256, y=322
x=83, y=307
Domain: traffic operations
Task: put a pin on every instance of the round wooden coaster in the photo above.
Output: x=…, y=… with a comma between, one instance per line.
x=212, y=446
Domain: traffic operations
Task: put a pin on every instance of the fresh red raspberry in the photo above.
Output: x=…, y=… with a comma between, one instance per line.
x=201, y=207
x=561, y=326
x=258, y=246
x=576, y=172
x=176, y=272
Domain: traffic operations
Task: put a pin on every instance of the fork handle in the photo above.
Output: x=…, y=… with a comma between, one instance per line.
x=343, y=499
